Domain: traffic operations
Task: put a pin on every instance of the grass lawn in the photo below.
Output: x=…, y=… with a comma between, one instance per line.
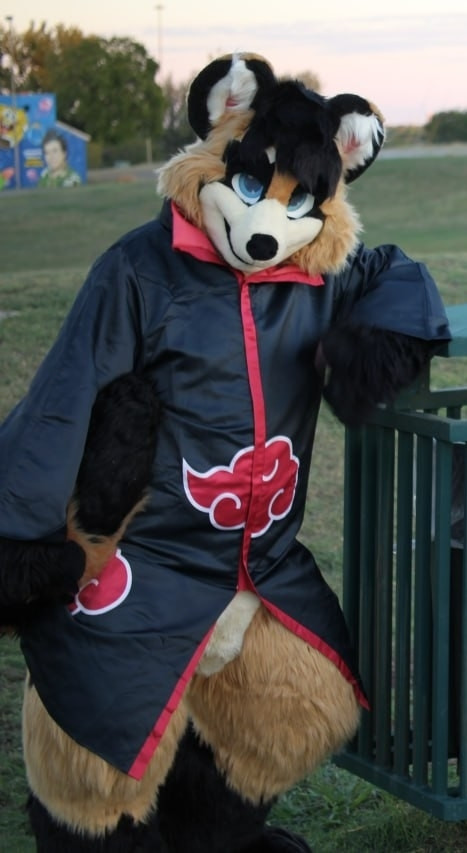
x=49, y=240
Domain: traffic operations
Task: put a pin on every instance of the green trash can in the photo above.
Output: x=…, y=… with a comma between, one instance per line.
x=405, y=592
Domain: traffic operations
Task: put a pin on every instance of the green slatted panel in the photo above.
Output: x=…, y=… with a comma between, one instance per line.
x=351, y=550
x=440, y=597
x=383, y=595
x=422, y=612
x=367, y=580
x=410, y=631
x=403, y=603
x=463, y=658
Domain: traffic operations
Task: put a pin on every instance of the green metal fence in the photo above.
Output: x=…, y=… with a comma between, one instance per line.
x=405, y=593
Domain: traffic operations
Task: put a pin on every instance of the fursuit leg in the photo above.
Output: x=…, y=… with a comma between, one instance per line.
x=270, y=717
x=127, y=837
x=198, y=811
x=78, y=802
x=277, y=840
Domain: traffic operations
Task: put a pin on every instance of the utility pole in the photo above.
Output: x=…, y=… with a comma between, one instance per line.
x=14, y=104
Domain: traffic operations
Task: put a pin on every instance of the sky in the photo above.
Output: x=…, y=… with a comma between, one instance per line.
x=407, y=56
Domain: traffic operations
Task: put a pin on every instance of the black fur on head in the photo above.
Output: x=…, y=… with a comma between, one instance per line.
x=300, y=126
x=198, y=113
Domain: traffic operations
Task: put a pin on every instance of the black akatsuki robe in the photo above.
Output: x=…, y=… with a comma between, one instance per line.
x=232, y=360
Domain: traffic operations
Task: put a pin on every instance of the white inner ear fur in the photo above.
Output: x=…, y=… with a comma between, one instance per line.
x=226, y=640
x=357, y=137
x=234, y=92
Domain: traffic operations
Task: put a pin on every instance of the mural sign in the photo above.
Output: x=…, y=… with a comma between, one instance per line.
x=48, y=153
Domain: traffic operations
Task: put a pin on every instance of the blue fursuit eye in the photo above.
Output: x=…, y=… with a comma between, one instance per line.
x=248, y=188
x=301, y=202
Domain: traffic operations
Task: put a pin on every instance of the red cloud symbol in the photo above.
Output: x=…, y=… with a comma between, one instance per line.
x=105, y=592
x=224, y=491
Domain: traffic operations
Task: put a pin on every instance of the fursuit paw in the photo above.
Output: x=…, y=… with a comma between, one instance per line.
x=367, y=366
x=33, y=574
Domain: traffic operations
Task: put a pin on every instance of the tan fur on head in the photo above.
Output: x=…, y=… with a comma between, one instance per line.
x=315, y=147
x=338, y=239
x=200, y=163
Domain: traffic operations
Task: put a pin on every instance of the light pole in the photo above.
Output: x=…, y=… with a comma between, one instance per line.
x=159, y=9
x=14, y=105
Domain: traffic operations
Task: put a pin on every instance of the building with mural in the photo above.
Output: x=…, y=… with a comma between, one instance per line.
x=36, y=150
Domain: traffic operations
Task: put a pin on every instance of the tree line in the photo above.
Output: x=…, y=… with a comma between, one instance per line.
x=108, y=89
x=104, y=87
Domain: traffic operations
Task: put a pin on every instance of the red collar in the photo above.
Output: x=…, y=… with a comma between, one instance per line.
x=187, y=238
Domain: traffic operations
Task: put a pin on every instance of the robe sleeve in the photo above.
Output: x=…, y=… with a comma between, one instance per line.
x=42, y=440
x=382, y=287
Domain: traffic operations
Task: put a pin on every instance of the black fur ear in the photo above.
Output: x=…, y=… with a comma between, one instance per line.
x=360, y=136
x=230, y=83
